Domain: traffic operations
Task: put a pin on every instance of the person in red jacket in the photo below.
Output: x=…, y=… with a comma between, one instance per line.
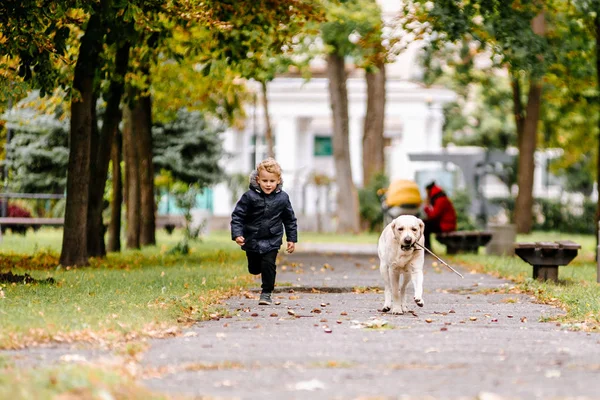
x=441, y=216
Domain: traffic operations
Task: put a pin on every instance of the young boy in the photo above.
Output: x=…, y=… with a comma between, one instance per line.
x=257, y=224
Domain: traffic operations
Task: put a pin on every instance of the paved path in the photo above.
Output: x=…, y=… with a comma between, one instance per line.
x=462, y=344
x=466, y=342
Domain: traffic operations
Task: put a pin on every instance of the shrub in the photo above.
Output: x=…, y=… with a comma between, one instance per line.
x=555, y=215
x=16, y=211
x=462, y=204
x=370, y=203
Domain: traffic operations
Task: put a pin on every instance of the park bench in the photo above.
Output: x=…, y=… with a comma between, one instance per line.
x=463, y=241
x=169, y=222
x=546, y=257
x=20, y=224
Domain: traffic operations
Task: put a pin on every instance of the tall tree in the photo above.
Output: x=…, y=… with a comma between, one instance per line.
x=344, y=20
x=374, y=55
x=523, y=49
x=38, y=39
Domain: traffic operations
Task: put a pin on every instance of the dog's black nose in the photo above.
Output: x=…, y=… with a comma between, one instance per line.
x=407, y=240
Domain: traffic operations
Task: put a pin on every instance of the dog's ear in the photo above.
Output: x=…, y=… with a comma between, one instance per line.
x=422, y=226
x=393, y=225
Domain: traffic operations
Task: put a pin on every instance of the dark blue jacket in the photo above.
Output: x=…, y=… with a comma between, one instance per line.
x=260, y=219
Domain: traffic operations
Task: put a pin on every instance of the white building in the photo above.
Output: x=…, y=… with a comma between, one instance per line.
x=301, y=118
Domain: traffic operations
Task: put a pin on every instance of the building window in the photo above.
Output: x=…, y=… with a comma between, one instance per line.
x=323, y=146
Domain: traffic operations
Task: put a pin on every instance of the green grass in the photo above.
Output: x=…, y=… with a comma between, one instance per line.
x=147, y=291
x=123, y=296
x=71, y=382
x=577, y=291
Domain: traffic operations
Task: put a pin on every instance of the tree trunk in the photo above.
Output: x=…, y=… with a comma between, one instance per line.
x=373, y=142
x=112, y=117
x=517, y=108
x=114, y=227
x=527, y=146
x=268, y=128
x=74, y=244
x=528, y=142
x=132, y=181
x=142, y=125
x=95, y=236
x=597, y=29
x=347, y=197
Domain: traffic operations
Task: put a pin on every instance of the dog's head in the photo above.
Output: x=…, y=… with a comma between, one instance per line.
x=408, y=230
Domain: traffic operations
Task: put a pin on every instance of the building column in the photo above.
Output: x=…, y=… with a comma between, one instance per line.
x=415, y=139
x=235, y=143
x=435, y=122
x=286, y=151
x=400, y=167
x=356, y=153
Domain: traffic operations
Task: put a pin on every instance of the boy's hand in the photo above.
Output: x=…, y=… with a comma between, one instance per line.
x=291, y=246
x=240, y=240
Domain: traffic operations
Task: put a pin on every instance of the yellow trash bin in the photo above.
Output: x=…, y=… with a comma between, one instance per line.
x=401, y=197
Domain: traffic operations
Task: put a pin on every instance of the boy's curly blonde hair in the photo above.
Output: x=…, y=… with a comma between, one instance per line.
x=269, y=165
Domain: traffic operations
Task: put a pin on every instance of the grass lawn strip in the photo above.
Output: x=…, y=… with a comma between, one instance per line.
x=576, y=292
x=73, y=381
x=124, y=297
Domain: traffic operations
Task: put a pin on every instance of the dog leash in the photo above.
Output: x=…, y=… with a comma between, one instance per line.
x=442, y=261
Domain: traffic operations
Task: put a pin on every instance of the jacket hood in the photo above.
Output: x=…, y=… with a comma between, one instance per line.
x=435, y=189
x=253, y=185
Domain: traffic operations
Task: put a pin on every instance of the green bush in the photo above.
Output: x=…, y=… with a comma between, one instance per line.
x=462, y=204
x=370, y=203
x=554, y=215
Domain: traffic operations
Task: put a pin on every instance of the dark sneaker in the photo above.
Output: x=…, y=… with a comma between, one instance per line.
x=265, y=299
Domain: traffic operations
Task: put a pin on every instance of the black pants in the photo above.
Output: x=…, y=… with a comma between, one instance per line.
x=263, y=264
x=431, y=227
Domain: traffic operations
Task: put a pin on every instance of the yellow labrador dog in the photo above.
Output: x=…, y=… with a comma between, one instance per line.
x=398, y=255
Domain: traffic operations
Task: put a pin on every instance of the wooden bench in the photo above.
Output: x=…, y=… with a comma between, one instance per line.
x=546, y=257
x=21, y=224
x=169, y=222
x=11, y=221
x=463, y=241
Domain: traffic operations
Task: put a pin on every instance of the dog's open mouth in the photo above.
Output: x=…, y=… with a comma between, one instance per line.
x=406, y=247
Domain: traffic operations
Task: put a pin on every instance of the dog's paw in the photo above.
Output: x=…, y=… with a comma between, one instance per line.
x=419, y=302
x=397, y=311
x=385, y=309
